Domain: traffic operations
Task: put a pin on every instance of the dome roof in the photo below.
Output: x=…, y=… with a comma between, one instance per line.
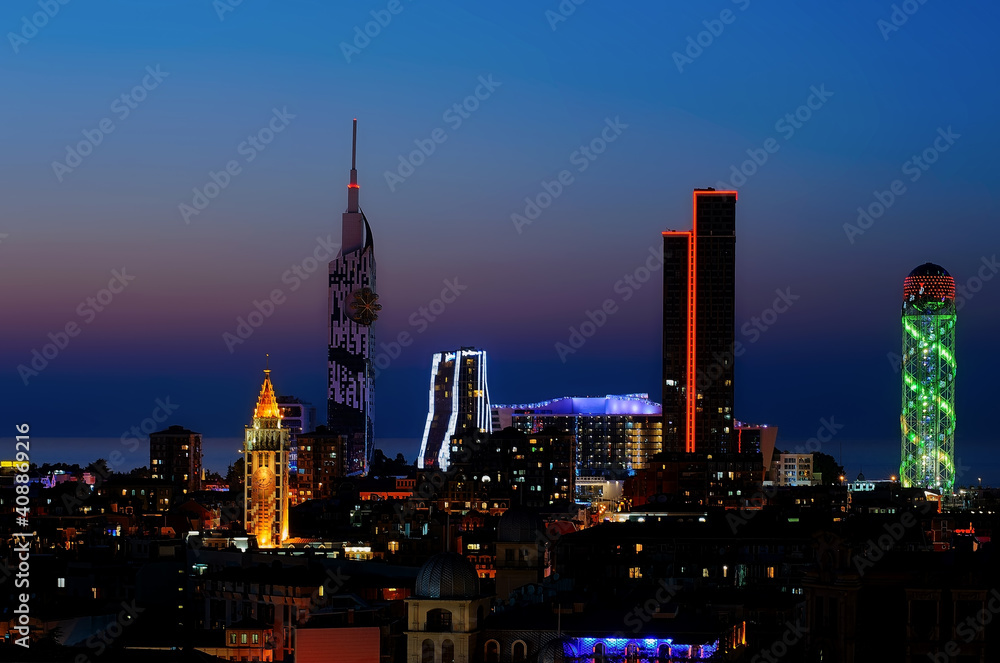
x=519, y=525
x=929, y=283
x=447, y=576
x=929, y=269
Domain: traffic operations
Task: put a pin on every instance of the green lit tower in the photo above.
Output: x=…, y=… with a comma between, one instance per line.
x=928, y=367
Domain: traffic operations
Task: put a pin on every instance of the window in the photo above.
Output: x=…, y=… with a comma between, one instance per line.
x=232, y=638
x=492, y=652
x=256, y=638
x=519, y=652
x=427, y=652
x=635, y=572
x=447, y=652
x=770, y=572
x=243, y=638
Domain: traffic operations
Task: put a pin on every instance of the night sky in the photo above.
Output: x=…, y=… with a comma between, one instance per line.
x=681, y=115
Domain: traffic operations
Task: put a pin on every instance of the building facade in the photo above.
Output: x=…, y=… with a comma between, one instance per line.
x=353, y=308
x=699, y=288
x=322, y=461
x=613, y=436
x=298, y=417
x=175, y=456
x=459, y=402
x=791, y=469
x=265, y=481
x=928, y=370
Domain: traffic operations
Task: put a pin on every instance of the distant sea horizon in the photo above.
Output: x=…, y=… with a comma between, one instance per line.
x=217, y=452
x=875, y=459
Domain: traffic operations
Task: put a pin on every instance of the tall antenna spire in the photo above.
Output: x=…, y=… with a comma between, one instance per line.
x=352, y=188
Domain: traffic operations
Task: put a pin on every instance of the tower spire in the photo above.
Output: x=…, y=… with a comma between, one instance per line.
x=352, y=188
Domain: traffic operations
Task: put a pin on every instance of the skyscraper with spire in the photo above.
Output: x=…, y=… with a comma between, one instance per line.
x=353, y=309
x=265, y=465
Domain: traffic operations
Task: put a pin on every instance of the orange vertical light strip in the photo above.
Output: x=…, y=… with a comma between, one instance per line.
x=692, y=326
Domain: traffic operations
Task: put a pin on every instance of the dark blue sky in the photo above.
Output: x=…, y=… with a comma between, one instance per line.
x=684, y=121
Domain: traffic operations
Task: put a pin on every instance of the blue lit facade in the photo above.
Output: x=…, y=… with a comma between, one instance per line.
x=653, y=650
x=614, y=435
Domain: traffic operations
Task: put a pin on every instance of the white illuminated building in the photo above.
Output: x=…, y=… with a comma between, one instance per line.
x=459, y=402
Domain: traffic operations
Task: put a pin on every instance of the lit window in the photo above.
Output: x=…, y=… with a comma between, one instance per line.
x=770, y=572
x=635, y=572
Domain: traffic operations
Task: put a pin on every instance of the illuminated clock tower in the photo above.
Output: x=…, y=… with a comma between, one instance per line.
x=265, y=462
x=353, y=309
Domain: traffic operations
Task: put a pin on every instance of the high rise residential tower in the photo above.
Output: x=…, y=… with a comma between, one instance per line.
x=459, y=402
x=175, y=456
x=928, y=368
x=353, y=309
x=699, y=289
x=265, y=463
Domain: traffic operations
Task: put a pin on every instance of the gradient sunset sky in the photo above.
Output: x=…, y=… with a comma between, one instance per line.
x=687, y=115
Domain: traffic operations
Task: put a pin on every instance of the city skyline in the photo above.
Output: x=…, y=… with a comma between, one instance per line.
x=168, y=324
x=651, y=255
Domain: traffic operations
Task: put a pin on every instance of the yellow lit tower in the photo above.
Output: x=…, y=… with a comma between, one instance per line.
x=265, y=462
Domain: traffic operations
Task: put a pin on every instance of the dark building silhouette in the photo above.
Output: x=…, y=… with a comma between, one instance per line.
x=699, y=288
x=175, y=457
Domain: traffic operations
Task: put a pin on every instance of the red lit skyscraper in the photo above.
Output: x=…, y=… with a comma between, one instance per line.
x=699, y=289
